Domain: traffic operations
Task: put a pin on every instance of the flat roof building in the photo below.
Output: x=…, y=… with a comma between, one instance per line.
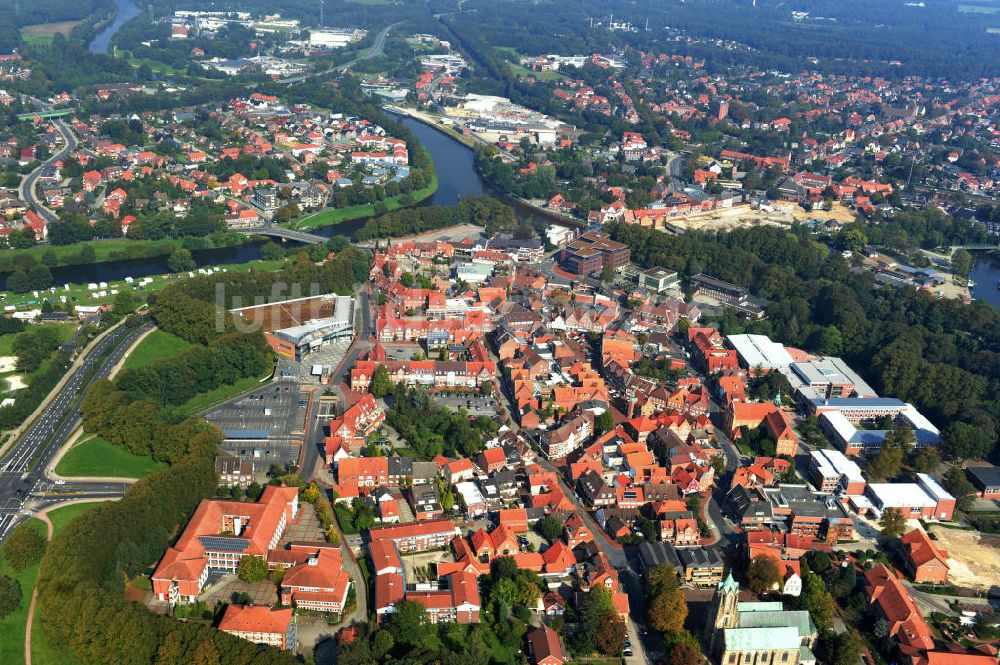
x=759, y=351
x=299, y=340
x=841, y=424
x=923, y=499
x=831, y=470
x=825, y=378
x=591, y=252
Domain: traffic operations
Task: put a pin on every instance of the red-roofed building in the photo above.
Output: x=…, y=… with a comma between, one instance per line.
x=417, y=536
x=459, y=603
x=492, y=460
x=514, y=520
x=558, y=559
x=219, y=534
x=261, y=625
x=922, y=558
x=544, y=647
x=320, y=584
x=894, y=604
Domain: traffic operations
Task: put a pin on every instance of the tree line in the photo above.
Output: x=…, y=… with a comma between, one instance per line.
x=482, y=211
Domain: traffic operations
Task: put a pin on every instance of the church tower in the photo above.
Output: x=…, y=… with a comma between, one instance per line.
x=724, y=612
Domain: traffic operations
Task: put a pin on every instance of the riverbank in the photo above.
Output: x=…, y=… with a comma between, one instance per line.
x=986, y=275
x=113, y=249
x=470, y=142
x=83, y=294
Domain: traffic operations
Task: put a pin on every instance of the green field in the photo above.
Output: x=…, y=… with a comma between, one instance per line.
x=42, y=33
x=333, y=216
x=12, y=627
x=102, y=249
x=66, y=331
x=338, y=215
x=157, y=344
x=81, y=295
x=524, y=72
x=95, y=456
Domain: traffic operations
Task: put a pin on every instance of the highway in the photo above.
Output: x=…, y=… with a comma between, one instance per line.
x=23, y=484
x=27, y=188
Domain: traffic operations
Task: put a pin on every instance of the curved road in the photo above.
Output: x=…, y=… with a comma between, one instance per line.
x=376, y=49
x=27, y=188
x=22, y=475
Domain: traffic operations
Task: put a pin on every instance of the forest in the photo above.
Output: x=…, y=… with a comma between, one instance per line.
x=941, y=355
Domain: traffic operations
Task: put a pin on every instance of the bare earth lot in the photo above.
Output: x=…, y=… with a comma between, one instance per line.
x=974, y=558
x=48, y=30
x=742, y=216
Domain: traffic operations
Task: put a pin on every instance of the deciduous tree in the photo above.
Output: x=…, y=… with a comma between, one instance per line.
x=763, y=574
x=892, y=523
x=251, y=569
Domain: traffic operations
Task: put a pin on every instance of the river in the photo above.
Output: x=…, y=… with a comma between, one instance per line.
x=126, y=11
x=456, y=173
x=457, y=178
x=986, y=275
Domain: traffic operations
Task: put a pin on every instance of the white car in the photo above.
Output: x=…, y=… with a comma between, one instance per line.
x=60, y=482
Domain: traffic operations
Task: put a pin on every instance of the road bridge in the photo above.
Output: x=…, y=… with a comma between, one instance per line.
x=287, y=234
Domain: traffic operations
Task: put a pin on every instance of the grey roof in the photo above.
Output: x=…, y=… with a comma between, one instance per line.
x=704, y=557
x=656, y=554
x=985, y=476
x=761, y=639
x=799, y=619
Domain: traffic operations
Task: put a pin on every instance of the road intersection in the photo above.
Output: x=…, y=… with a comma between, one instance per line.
x=24, y=486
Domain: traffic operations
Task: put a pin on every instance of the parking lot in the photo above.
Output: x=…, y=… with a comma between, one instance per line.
x=474, y=404
x=265, y=426
x=277, y=409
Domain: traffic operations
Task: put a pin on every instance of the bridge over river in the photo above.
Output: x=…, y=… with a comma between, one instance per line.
x=287, y=234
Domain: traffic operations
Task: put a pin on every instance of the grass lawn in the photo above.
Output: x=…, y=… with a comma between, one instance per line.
x=60, y=517
x=42, y=33
x=65, y=254
x=7, y=344
x=524, y=72
x=12, y=626
x=94, y=456
x=80, y=294
x=205, y=401
x=66, y=331
x=42, y=651
x=158, y=344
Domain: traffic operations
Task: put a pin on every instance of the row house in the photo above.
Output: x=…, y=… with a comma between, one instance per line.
x=427, y=373
x=320, y=583
x=417, y=536
x=352, y=428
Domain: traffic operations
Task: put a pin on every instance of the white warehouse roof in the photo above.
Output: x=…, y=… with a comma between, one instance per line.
x=760, y=351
